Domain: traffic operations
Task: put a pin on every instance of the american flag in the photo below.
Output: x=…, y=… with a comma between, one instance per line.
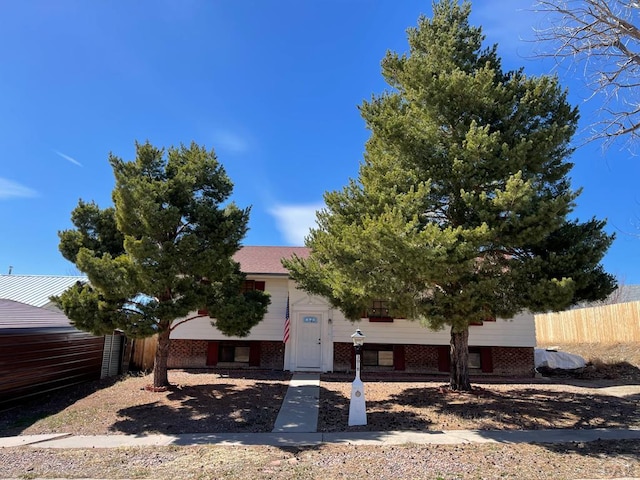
x=287, y=323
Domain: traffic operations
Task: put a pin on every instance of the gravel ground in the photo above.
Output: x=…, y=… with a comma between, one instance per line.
x=481, y=461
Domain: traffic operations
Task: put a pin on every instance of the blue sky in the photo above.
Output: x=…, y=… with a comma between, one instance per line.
x=272, y=86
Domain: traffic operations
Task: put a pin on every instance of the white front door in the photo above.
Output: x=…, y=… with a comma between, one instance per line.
x=308, y=340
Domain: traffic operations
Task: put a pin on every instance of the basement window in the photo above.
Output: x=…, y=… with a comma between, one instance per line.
x=233, y=354
x=377, y=356
x=475, y=359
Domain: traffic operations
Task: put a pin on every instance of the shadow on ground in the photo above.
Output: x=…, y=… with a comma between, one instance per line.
x=435, y=407
x=209, y=408
x=236, y=401
x=17, y=417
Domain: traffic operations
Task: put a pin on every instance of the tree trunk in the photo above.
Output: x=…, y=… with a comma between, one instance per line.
x=460, y=360
x=160, y=378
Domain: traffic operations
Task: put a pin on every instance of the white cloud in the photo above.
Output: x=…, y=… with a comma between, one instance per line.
x=68, y=158
x=9, y=189
x=294, y=221
x=230, y=142
x=511, y=27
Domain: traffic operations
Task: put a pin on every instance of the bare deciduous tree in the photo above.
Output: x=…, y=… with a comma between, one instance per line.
x=603, y=38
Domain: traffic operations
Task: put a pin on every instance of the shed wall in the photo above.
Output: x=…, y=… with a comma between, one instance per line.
x=36, y=361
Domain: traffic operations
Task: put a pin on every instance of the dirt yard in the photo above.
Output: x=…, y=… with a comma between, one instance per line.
x=606, y=394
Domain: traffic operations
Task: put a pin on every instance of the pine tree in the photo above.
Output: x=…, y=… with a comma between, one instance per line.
x=460, y=211
x=163, y=251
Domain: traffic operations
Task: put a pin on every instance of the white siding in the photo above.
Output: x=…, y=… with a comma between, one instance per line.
x=519, y=332
x=270, y=328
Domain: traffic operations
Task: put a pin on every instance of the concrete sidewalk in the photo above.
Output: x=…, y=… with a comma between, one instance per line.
x=289, y=439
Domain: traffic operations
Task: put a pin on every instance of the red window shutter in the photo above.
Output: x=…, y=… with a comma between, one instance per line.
x=486, y=359
x=398, y=357
x=444, y=358
x=259, y=286
x=212, y=354
x=254, y=354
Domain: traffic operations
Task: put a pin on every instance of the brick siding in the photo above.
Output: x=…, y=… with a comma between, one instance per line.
x=421, y=358
x=187, y=354
x=506, y=361
x=272, y=355
x=513, y=361
x=342, y=355
x=193, y=354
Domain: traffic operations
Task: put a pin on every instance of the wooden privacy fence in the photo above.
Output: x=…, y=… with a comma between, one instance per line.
x=608, y=324
x=144, y=353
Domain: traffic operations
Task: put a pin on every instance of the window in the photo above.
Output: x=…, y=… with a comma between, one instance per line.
x=379, y=312
x=475, y=359
x=377, y=355
x=250, y=285
x=481, y=322
x=231, y=353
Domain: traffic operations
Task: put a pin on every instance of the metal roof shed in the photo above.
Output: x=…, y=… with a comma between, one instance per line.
x=40, y=351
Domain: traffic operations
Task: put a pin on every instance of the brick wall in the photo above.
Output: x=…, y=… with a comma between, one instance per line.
x=342, y=354
x=272, y=355
x=513, y=361
x=188, y=354
x=421, y=358
x=193, y=354
x=506, y=361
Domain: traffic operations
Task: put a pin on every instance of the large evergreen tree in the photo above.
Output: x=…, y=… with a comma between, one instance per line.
x=460, y=209
x=162, y=251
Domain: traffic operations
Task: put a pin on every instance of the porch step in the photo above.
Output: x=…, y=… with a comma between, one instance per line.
x=299, y=410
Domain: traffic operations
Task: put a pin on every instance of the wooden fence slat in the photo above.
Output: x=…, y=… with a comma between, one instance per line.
x=608, y=324
x=144, y=353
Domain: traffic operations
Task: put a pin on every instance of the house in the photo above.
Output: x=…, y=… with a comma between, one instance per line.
x=320, y=336
x=40, y=351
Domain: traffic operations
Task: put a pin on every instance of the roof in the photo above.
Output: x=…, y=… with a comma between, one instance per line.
x=15, y=315
x=625, y=293
x=35, y=290
x=267, y=260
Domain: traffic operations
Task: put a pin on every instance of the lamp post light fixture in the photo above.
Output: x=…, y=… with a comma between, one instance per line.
x=357, y=407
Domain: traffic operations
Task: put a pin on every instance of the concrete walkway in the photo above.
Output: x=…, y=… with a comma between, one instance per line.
x=299, y=410
x=297, y=423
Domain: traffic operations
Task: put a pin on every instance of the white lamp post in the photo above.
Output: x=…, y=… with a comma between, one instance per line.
x=357, y=407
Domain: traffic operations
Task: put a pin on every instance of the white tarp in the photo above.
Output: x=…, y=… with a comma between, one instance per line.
x=561, y=360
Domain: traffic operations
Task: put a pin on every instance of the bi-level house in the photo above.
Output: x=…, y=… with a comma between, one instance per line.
x=319, y=338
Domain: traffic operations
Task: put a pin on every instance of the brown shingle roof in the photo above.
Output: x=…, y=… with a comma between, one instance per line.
x=266, y=260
